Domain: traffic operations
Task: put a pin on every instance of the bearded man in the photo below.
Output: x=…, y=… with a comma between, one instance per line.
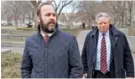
x=50, y=53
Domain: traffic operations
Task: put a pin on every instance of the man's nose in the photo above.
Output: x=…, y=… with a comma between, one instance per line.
x=102, y=24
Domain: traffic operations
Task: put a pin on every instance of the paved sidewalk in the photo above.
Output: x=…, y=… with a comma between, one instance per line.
x=81, y=38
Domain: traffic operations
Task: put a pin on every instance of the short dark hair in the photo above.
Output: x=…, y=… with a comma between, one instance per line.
x=41, y=5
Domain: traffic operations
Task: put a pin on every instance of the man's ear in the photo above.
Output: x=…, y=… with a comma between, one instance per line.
x=38, y=19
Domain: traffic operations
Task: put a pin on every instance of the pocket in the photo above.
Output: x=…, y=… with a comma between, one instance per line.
x=37, y=75
x=37, y=56
x=33, y=74
x=123, y=73
x=89, y=73
x=61, y=52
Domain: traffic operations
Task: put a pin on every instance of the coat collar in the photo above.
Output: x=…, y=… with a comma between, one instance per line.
x=112, y=29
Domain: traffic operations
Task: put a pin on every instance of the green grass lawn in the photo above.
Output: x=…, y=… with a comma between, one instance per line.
x=10, y=65
x=124, y=30
x=72, y=31
x=13, y=41
x=8, y=27
x=26, y=29
x=18, y=28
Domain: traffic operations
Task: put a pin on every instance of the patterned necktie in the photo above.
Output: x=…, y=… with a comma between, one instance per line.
x=103, y=60
x=46, y=38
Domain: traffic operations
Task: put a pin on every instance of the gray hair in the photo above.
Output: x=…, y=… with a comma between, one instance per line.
x=102, y=14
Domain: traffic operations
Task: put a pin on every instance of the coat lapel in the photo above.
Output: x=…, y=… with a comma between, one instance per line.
x=94, y=36
x=114, y=39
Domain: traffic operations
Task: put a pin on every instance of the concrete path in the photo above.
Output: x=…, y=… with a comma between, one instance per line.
x=81, y=38
x=131, y=41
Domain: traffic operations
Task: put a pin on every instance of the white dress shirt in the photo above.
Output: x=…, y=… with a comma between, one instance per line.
x=108, y=50
x=43, y=34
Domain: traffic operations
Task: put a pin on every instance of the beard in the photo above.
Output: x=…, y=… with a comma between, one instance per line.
x=49, y=27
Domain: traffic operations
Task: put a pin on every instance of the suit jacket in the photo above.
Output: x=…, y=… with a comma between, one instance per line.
x=121, y=59
x=60, y=58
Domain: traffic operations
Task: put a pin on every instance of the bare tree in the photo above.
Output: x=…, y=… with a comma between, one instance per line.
x=130, y=7
x=61, y=5
x=118, y=11
x=121, y=11
x=88, y=11
x=121, y=7
x=5, y=14
x=13, y=9
x=19, y=11
x=112, y=9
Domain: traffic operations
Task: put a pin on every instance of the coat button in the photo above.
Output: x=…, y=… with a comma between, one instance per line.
x=114, y=59
x=90, y=75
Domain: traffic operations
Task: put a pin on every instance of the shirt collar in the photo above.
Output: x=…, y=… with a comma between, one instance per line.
x=43, y=33
x=49, y=34
x=106, y=33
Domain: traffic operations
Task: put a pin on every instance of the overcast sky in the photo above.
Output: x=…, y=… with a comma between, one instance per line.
x=68, y=8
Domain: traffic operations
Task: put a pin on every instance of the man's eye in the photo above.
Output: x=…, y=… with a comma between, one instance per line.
x=48, y=14
x=105, y=23
x=100, y=23
x=54, y=15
